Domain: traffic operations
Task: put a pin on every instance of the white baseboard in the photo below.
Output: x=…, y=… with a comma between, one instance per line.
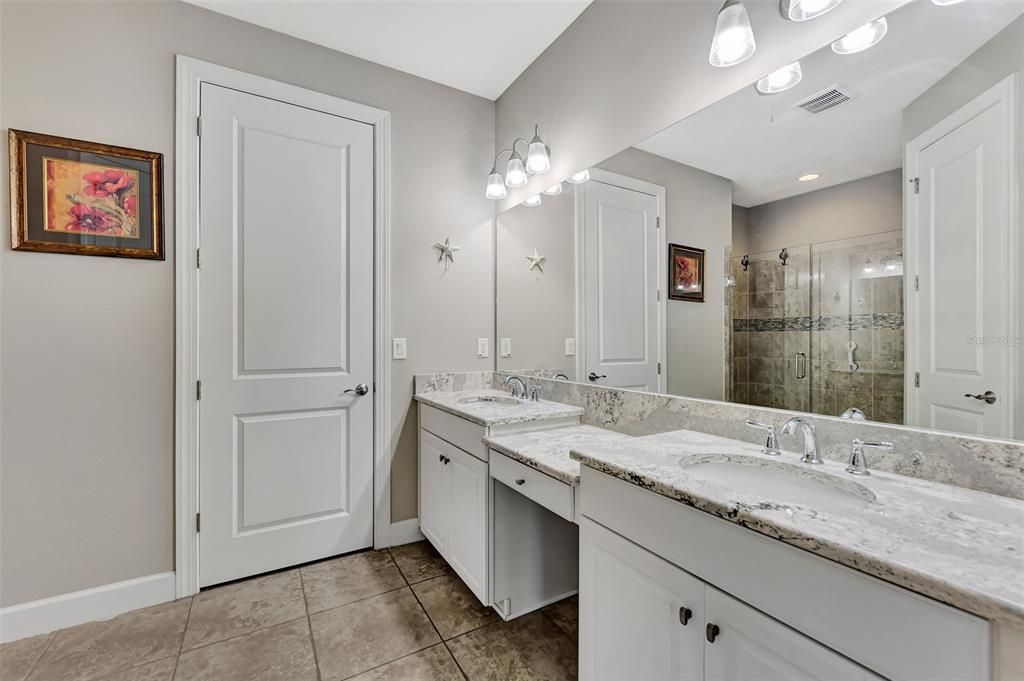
x=99, y=603
x=406, y=532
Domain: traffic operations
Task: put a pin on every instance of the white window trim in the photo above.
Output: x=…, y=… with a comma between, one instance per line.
x=191, y=73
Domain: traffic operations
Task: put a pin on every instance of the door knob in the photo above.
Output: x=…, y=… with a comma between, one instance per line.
x=684, y=615
x=360, y=389
x=594, y=377
x=988, y=397
x=711, y=632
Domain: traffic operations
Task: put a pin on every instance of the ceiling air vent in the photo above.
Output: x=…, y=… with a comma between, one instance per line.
x=826, y=100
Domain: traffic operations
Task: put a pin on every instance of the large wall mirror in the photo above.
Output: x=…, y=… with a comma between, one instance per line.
x=847, y=245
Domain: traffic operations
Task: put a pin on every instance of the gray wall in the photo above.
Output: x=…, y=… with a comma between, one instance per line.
x=865, y=206
x=740, y=230
x=625, y=70
x=88, y=343
x=699, y=214
x=537, y=310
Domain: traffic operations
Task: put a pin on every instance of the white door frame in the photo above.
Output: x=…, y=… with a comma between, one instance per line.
x=191, y=74
x=643, y=187
x=1004, y=92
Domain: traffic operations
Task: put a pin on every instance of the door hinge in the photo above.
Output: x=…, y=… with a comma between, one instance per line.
x=199, y=126
x=658, y=295
x=199, y=390
x=917, y=379
x=197, y=258
x=917, y=282
x=197, y=522
x=657, y=223
x=659, y=368
x=917, y=184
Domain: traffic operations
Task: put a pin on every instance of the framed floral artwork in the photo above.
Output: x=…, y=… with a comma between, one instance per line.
x=70, y=196
x=685, y=273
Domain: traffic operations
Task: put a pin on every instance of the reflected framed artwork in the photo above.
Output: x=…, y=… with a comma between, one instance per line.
x=71, y=196
x=685, y=273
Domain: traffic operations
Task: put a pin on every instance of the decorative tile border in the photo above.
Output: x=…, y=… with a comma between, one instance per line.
x=880, y=320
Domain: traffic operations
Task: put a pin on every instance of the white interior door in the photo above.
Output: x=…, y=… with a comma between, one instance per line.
x=620, y=287
x=960, y=231
x=285, y=328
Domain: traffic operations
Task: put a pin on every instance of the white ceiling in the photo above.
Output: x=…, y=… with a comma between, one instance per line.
x=737, y=138
x=479, y=46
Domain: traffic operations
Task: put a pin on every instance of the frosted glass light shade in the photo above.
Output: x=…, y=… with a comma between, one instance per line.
x=804, y=10
x=515, y=173
x=537, y=160
x=579, y=177
x=554, y=190
x=532, y=201
x=734, y=38
x=858, y=40
x=781, y=80
x=496, y=186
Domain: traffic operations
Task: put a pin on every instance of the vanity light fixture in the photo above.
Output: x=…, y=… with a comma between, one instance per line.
x=553, y=190
x=532, y=201
x=734, y=38
x=579, y=177
x=537, y=159
x=517, y=173
x=780, y=80
x=804, y=10
x=809, y=177
x=496, y=185
x=868, y=35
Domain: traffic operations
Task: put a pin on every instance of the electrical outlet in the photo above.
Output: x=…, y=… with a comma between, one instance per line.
x=398, y=348
x=506, y=347
x=570, y=347
x=482, y=347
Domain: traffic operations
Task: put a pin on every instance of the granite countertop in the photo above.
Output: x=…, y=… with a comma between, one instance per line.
x=496, y=413
x=548, y=450
x=958, y=546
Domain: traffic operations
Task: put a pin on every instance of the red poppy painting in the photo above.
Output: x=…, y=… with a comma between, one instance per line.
x=686, y=273
x=90, y=199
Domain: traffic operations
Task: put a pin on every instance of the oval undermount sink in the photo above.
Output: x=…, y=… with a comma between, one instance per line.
x=779, y=482
x=489, y=399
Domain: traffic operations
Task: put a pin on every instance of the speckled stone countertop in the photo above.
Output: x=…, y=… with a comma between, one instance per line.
x=958, y=546
x=488, y=413
x=548, y=450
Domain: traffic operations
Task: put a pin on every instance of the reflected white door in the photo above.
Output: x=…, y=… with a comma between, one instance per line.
x=963, y=339
x=620, y=287
x=286, y=327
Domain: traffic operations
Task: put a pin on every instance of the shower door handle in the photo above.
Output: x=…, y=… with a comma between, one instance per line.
x=800, y=365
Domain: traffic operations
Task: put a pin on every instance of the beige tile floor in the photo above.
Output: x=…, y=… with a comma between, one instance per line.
x=373, y=616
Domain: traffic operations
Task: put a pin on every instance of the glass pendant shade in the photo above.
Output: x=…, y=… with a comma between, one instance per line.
x=804, y=10
x=734, y=38
x=495, y=185
x=866, y=36
x=515, y=173
x=532, y=201
x=579, y=177
x=537, y=159
x=781, y=80
x=554, y=190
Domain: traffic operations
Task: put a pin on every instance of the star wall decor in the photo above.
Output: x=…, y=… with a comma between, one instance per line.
x=536, y=261
x=447, y=252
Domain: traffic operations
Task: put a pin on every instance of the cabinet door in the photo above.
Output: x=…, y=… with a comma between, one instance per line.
x=433, y=489
x=640, y=617
x=750, y=645
x=467, y=520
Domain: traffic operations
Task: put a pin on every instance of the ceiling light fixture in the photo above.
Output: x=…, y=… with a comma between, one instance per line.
x=866, y=36
x=553, y=190
x=532, y=201
x=518, y=173
x=734, y=38
x=946, y=3
x=809, y=177
x=804, y=10
x=780, y=80
x=579, y=177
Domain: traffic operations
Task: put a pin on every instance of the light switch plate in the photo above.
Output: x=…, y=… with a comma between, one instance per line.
x=570, y=347
x=483, y=347
x=506, y=347
x=398, y=348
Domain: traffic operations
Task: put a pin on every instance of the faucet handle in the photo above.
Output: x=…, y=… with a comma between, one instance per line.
x=771, y=442
x=535, y=391
x=858, y=461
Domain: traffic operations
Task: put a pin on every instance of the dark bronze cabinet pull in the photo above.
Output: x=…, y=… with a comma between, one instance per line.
x=684, y=615
x=711, y=631
x=520, y=481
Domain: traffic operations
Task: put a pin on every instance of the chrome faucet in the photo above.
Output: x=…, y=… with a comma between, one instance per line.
x=858, y=462
x=811, y=454
x=771, y=442
x=517, y=385
x=535, y=391
x=853, y=414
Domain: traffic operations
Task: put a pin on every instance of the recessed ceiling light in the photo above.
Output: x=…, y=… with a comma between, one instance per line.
x=781, y=80
x=866, y=36
x=809, y=177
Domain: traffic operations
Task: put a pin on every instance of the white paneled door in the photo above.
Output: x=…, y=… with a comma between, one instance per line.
x=286, y=335
x=960, y=234
x=620, y=284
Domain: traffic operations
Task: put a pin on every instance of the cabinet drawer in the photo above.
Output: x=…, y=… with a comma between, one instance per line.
x=552, y=494
x=466, y=435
